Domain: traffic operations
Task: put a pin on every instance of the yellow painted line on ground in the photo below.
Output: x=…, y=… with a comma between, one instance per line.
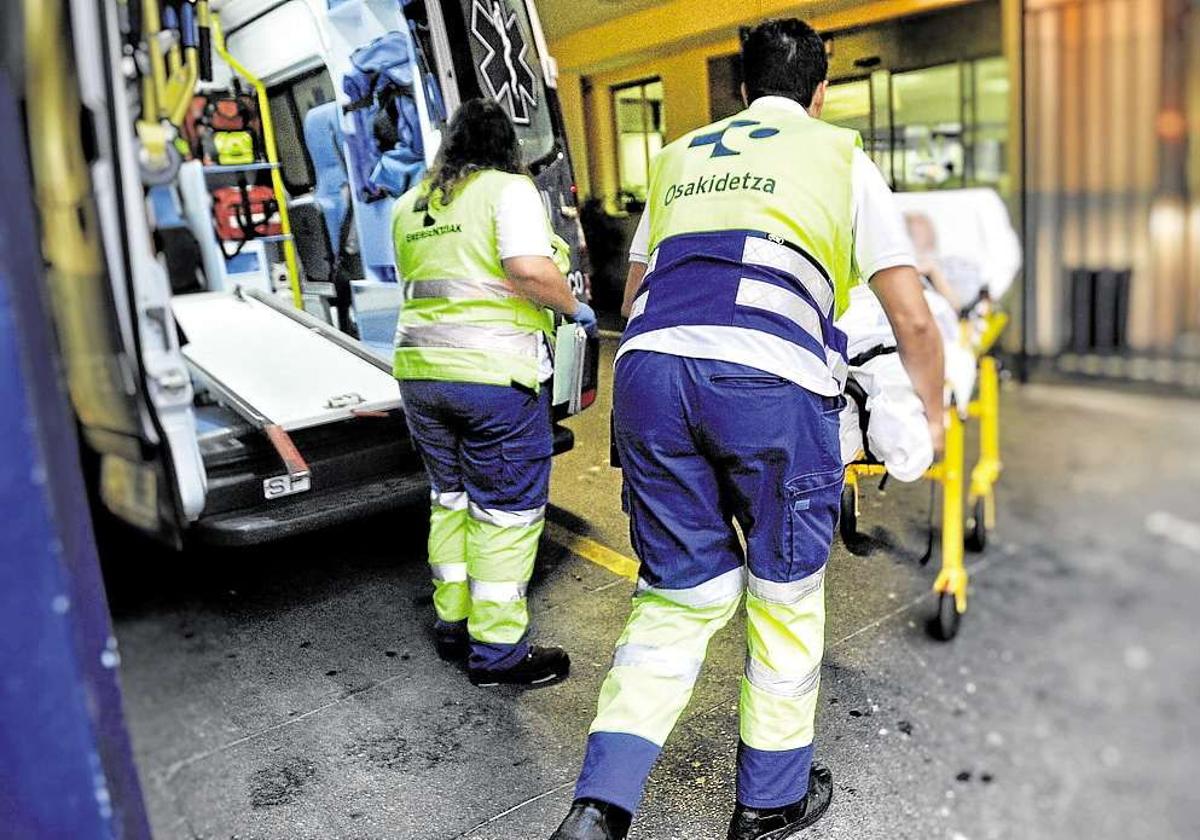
x=592, y=551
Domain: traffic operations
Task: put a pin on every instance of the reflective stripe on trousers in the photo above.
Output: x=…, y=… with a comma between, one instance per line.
x=722, y=588
x=448, y=554
x=506, y=518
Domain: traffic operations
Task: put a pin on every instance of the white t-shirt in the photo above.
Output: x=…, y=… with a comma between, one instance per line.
x=521, y=233
x=880, y=238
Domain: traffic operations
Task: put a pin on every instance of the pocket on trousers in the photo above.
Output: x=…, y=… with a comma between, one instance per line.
x=527, y=449
x=525, y=468
x=813, y=501
x=749, y=380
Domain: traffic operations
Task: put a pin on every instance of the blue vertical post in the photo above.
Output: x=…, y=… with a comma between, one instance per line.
x=66, y=767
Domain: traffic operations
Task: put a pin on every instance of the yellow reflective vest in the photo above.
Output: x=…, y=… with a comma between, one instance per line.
x=461, y=320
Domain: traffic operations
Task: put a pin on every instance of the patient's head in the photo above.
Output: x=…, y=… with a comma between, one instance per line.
x=921, y=232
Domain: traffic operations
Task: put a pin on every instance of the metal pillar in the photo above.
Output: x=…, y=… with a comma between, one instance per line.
x=66, y=767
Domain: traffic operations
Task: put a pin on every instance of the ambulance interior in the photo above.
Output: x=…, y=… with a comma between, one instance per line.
x=271, y=224
x=340, y=257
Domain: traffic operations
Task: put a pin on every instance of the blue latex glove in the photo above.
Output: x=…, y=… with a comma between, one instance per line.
x=585, y=316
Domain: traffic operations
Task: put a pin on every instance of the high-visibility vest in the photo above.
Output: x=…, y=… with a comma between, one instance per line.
x=752, y=240
x=461, y=319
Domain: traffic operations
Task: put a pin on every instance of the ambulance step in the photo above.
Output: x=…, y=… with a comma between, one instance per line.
x=310, y=511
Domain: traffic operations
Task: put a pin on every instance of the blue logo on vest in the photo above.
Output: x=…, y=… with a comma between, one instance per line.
x=717, y=138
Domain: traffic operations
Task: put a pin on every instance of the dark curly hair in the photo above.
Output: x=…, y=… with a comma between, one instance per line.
x=480, y=136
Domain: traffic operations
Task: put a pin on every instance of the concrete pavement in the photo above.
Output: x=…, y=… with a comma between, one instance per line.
x=293, y=692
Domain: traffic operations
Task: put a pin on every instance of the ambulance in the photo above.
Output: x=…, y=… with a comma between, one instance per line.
x=214, y=185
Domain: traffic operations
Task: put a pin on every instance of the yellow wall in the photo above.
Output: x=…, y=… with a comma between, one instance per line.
x=685, y=106
x=631, y=37
x=673, y=42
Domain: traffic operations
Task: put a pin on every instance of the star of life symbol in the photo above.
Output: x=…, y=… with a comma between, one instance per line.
x=505, y=70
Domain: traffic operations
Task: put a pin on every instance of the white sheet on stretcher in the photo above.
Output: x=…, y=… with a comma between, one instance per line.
x=898, y=434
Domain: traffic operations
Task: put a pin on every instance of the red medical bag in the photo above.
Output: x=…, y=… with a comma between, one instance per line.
x=246, y=212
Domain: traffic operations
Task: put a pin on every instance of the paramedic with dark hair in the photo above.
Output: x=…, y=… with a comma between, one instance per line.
x=728, y=388
x=483, y=276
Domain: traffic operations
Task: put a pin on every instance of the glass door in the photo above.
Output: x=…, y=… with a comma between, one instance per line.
x=989, y=132
x=927, y=115
x=638, y=111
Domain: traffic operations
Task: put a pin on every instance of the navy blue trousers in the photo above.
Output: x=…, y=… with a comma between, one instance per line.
x=706, y=444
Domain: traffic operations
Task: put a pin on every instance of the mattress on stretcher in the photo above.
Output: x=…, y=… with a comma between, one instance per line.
x=279, y=368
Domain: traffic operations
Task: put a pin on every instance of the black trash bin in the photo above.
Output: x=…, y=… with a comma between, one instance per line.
x=1099, y=309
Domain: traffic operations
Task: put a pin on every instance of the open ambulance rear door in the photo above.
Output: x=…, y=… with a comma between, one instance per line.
x=111, y=298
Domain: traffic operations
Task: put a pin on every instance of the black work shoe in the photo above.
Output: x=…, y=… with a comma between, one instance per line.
x=452, y=643
x=541, y=666
x=591, y=819
x=788, y=821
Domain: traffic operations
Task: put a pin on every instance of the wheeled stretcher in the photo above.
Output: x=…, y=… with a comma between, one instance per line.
x=971, y=222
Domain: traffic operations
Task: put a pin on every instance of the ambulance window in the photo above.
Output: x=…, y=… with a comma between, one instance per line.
x=290, y=102
x=508, y=69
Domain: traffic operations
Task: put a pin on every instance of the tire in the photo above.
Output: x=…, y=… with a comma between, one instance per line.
x=944, y=625
x=848, y=521
x=976, y=537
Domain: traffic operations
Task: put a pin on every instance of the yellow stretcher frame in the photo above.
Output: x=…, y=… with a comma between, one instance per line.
x=952, y=580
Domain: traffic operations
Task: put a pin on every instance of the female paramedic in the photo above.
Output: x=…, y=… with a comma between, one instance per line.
x=478, y=261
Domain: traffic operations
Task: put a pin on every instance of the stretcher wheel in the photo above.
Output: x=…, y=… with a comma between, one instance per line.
x=976, y=540
x=848, y=522
x=944, y=625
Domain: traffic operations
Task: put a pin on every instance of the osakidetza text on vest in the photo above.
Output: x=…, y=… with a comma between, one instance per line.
x=706, y=184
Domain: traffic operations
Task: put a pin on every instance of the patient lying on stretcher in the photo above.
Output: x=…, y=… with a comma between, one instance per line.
x=957, y=279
